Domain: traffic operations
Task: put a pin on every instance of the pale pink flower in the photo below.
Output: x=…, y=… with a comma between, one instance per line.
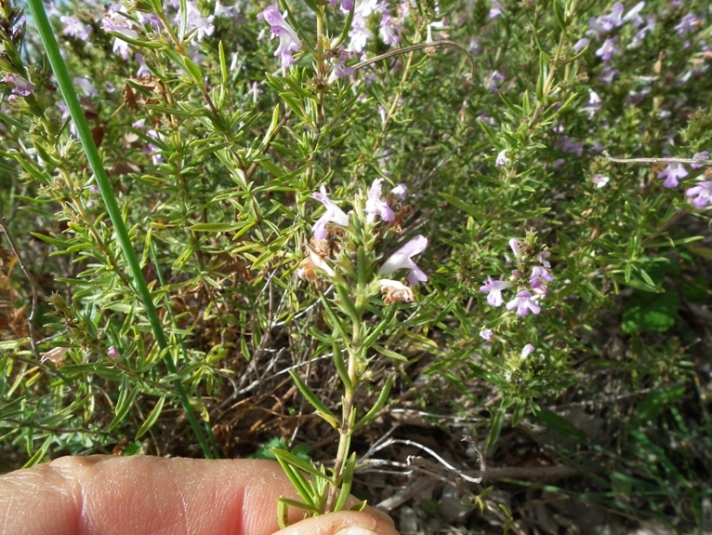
x=401, y=259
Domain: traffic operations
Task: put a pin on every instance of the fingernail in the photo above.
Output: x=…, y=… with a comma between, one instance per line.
x=356, y=531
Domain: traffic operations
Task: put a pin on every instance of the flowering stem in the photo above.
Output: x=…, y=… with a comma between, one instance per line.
x=181, y=50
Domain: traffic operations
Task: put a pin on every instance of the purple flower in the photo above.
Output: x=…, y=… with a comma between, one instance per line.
x=86, y=86
x=112, y=353
x=388, y=30
x=600, y=26
x=474, y=46
x=633, y=16
x=115, y=22
x=704, y=155
x=688, y=24
x=672, y=173
x=608, y=74
x=203, y=26
x=486, y=334
x=514, y=245
x=21, y=87
x=150, y=19
x=346, y=5
x=569, y=146
x=359, y=35
x=542, y=258
x=581, y=44
x=502, y=159
x=225, y=11
x=494, y=289
x=494, y=81
x=333, y=214
x=288, y=39
x=143, y=69
x=496, y=9
x=401, y=259
x=701, y=194
x=524, y=302
x=340, y=69
x=526, y=351
x=539, y=272
x=640, y=35
x=538, y=286
x=608, y=49
x=400, y=191
x=74, y=28
x=376, y=206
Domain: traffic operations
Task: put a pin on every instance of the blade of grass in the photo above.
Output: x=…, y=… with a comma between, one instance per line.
x=70, y=98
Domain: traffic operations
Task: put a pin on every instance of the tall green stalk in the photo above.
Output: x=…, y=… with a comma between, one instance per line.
x=70, y=98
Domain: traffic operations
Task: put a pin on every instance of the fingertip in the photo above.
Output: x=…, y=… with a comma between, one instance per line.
x=343, y=523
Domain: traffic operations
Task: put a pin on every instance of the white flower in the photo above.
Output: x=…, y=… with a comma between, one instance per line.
x=526, y=351
x=600, y=180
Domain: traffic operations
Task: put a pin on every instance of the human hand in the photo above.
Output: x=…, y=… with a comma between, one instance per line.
x=151, y=495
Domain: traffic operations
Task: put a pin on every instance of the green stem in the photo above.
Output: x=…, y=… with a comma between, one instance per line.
x=70, y=97
x=346, y=430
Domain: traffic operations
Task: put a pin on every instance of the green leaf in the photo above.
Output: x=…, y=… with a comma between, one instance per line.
x=133, y=448
x=459, y=203
x=650, y=313
x=39, y=455
x=347, y=479
x=219, y=227
x=518, y=414
x=127, y=398
x=152, y=417
x=496, y=428
x=321, y=409
x=561, y=425
x=333, y=318
x=193, y=70
x=286, y=457
x=390, y=354
x=380, y=402
x=649, y=409
x=341, y=369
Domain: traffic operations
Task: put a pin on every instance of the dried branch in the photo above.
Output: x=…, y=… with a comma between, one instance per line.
x=655, y=160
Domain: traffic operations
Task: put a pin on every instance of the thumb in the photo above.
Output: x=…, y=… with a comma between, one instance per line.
x=368, y=522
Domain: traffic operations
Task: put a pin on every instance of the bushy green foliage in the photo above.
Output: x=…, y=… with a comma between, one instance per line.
x=500, y=124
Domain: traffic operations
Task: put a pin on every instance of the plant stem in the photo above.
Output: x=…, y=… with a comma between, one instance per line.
x=70, y=97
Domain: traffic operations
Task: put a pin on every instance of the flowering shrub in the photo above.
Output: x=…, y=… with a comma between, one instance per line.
x=470, y=190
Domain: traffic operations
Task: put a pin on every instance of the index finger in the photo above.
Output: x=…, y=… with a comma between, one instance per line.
x=147, y=495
